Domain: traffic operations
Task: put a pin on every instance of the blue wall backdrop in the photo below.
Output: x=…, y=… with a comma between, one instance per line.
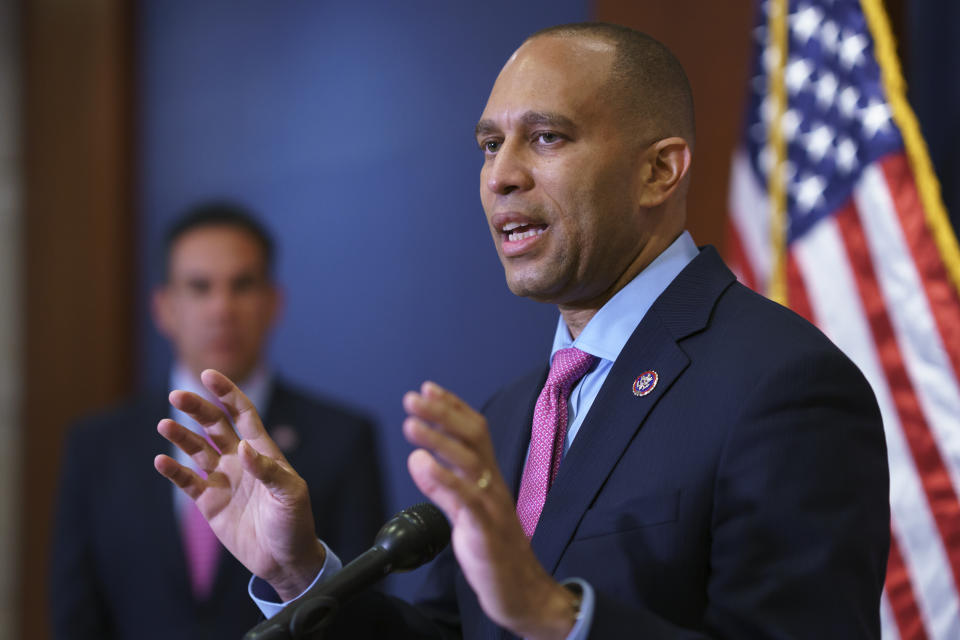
x=350, y=126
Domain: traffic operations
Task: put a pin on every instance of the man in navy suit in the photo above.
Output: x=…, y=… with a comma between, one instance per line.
x=127, y=559
x=721, y=466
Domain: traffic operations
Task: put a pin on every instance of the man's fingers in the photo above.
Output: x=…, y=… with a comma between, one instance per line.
x=432, y=403
x=442, y=408
x=282, y=482
x=187, y=479
x=449, y=450
x=450, y=491
x=452, y=416
x=425, y=471
x=190, y=443
x=242, y=411
x=434, y=391
x=209, y=416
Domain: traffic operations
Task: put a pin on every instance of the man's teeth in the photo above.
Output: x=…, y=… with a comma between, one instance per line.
x=516, y=237
x=510, y=226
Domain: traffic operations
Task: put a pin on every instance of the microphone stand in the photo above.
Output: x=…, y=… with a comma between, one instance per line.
x=409, y=539
x=313, y=613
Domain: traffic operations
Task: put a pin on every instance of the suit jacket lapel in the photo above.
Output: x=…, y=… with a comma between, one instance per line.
x=165, y=543
x=617, y=414
x=510, y=428
x=615, y=417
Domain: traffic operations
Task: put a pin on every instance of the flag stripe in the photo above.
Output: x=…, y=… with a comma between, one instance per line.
x=900, y=596
x=944, y=301
x=888, y=624
x=797, y=297
x=748, y=207
x=902, y=289
x=823, y=262
x=933, y=472
x=740, y=264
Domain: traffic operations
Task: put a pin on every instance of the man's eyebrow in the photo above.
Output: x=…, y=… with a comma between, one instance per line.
x=548, y=118
x=529, y=119
x=485, y=127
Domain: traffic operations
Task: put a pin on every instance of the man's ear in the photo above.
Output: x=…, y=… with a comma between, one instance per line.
x=666, y=163
x=161, y=309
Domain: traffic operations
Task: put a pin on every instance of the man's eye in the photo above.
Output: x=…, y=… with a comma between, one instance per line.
x=548, y=137
x=245, y=284
x=198, y=287
x=490, y=146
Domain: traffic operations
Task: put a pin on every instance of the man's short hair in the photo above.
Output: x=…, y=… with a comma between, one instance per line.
x=646, y=77
x=219, y=213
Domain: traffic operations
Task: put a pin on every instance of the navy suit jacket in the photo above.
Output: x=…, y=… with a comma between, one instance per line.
x=118, y=569
x=745, y=497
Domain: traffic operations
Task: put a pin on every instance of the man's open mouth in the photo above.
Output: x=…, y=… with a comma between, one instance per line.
x=516, y=231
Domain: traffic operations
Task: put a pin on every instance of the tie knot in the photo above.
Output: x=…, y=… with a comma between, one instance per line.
x=568, y=366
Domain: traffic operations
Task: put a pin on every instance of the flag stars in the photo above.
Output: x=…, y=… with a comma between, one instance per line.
x=766, y=159
x=818, y=142
x=798, y=74
x=851, y=50
x=790, y=123
x=848, y=100
x=875, y=117
x=846, y=155
x=771, y=57
x=809, y=192
x=830, y=36
x=827, y=86
x=805, y=22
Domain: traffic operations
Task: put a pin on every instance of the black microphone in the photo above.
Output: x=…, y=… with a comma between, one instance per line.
x=409, y=539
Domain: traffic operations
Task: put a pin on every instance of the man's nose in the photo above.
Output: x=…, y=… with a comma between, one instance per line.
x=509, y=169
x=223, y=301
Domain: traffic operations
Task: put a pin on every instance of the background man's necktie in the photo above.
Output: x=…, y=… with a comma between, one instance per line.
x=200, y=544
x=549, y=433
x=202, y=550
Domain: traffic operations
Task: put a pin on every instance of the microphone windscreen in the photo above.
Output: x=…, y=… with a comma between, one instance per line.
x=414, y=536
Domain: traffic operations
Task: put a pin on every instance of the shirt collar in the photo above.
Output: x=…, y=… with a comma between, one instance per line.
x=256, y=386
x=609, y=329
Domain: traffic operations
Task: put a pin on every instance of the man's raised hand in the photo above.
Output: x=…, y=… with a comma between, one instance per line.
x=255, y=502
x=456, y=468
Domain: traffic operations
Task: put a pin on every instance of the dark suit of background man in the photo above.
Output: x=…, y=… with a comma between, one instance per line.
x=724, y=469
x=120, y=567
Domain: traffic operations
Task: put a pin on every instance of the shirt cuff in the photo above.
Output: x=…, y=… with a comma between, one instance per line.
x=581, y=629
x=267, y=599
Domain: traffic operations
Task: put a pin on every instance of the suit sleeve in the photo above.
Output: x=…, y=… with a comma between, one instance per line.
x=359, y=509
x=77, y=606
x=800, y=525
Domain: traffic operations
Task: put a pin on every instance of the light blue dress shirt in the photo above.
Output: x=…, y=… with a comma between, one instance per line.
x=605, y=335
x=610, y=329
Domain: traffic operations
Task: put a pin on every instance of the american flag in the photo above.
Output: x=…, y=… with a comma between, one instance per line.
x=835, y=212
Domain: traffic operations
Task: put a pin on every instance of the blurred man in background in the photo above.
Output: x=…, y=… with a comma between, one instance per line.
x=132, y=558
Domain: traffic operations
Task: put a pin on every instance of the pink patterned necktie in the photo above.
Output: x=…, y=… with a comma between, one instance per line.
x=200, y=544
x=549, y=433
x=202, y=550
